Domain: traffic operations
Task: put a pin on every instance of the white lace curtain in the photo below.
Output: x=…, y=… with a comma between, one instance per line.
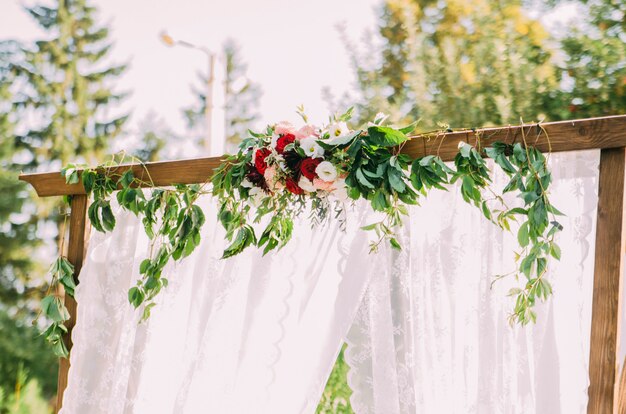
x=257, y=334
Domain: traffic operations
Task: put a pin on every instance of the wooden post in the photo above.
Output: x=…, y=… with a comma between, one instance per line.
x=75, y=254
x=607, y=284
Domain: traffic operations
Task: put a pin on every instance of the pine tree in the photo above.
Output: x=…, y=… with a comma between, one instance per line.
x=154, y=134
x=55, y=99
x=595, y=68
x=63, y=87
x=241, y=100
x=18, y=226
x=20, y=346
x=456, y=62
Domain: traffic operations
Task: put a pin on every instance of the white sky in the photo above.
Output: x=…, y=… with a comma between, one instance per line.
x=292, y=48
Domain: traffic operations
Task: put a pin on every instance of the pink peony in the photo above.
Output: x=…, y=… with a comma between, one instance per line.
x=323, y=185
x=284, y=128
x=305, y=131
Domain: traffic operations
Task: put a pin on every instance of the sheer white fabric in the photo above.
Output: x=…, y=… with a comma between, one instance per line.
x=431, y=335
x=257, y=334
x=249, y=334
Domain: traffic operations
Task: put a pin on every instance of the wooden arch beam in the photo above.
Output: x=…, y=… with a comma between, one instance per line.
x=592, y=133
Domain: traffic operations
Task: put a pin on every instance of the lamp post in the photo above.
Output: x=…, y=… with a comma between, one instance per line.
x=208, y=104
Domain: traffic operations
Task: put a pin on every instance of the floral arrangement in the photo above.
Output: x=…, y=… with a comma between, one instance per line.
x=319, y=171
x=321, y=168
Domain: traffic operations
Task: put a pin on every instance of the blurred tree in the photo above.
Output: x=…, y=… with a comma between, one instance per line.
x=21, y=350
x=18, y=225
x=457, y=62
x=55, y=106
x=595, y=67
x=155, y=135
x=241, y=100
x=62, y=88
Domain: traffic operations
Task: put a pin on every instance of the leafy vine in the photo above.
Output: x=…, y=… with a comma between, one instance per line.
x=319, y=170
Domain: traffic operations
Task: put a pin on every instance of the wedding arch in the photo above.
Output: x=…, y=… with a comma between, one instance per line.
x=607, y=134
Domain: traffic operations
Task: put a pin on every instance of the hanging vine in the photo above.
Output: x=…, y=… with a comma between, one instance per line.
x=320, y=171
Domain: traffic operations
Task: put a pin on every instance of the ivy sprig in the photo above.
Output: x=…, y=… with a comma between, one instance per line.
x=528, y=171
x=53, y=307
x=170, y=218
x=375, y=169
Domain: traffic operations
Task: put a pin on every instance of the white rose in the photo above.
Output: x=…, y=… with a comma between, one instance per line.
x=311, y=147
x=326, y=171
x=461, y=144
x=338, y=129
x=306, y=184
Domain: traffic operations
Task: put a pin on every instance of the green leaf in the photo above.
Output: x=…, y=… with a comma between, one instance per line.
x=527, y=264
x=135, y=296
x=542, y=264
x=396, y=181
x=529, y=197
x=108, y=219
x=380, y=201
x=362, y=179
x=519, y=153
x=522, y=235
x=94, y=217
x=409, y=128
x=384, y=136
x=465, y=150
x=394, y=244
x=127, y=178
x=369, y=227
x=485, y=210
x=555, y=251
x=143, y=267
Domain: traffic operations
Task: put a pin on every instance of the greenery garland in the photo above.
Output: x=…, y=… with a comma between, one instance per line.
x=318, y=171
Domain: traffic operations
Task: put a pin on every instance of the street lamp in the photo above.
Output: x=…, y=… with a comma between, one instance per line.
x=211, y=127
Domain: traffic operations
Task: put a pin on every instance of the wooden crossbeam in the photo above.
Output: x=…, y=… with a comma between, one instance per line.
x=592, y=133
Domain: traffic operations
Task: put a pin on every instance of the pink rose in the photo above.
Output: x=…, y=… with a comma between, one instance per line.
x=270, y=177
x=322, y=185
x=305, y=131
x=284, y=128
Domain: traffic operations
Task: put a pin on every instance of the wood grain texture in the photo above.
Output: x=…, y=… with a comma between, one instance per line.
x=582, y=134
x=607, y=284
x=165, y=173
x=75, y=254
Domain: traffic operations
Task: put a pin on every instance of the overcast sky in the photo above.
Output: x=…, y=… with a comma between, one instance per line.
x=292, y=48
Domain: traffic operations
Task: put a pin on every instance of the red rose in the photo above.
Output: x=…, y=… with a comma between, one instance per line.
x=259, y=159
x=283, y=141
x=308, y=166
x=292, y=186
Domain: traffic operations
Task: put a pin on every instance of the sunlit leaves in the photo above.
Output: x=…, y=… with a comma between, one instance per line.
x=384, y=136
